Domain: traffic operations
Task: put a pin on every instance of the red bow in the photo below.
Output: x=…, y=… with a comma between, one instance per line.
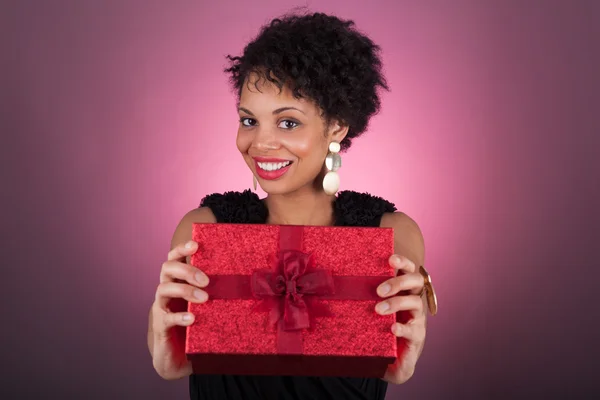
x=291, y=290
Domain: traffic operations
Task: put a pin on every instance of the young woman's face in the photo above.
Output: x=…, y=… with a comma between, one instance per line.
x=283, y=140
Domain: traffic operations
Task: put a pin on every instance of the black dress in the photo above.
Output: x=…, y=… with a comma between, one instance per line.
x=350, y=209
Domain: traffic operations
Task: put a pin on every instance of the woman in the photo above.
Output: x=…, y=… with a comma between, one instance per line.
x=307, y=86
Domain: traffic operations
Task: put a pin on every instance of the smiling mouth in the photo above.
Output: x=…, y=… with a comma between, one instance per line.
x=272, y=166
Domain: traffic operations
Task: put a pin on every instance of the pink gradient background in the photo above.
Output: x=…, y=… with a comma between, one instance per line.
x=117, y=119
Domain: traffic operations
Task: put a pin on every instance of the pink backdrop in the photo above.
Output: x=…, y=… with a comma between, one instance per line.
x=117, y=120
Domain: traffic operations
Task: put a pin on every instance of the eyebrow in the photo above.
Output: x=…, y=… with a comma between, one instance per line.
x=278, y=111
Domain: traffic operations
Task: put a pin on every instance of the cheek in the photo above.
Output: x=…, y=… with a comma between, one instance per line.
x=243, y=141
x=305, y=147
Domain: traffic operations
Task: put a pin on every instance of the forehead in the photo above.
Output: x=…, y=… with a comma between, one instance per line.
x=262, y=92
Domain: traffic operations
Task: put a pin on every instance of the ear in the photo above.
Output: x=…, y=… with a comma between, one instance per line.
x=337, y=130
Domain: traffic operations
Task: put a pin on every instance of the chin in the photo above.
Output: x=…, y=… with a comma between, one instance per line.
x=275, y=188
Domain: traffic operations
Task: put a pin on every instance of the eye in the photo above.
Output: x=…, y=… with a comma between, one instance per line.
x=247, y=121
x=288, y=124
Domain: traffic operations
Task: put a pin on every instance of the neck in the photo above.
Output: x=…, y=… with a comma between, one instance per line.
x=307, y=206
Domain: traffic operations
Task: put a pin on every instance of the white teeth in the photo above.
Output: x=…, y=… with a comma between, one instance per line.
x=273, y=166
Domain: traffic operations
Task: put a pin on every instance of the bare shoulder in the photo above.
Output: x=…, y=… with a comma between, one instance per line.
x=408, y=238
x=183, y=231
x=400, y=222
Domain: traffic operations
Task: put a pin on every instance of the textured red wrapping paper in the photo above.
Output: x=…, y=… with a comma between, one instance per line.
x=235, y=333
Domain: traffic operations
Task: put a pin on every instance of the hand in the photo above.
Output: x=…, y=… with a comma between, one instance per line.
x=406, y=289
x=179, y=282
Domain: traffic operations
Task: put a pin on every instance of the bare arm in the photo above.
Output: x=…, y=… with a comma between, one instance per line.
x=410, y=254
x=182, y=234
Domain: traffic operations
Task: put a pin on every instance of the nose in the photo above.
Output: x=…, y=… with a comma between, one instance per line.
x=266, y=139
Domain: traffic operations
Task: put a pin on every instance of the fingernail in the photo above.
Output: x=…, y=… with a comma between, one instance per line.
x=384, y=289
x=200, y=295
x=200, y=278
x=187, y=317
x=396, y=329
x=398, y=260
x=382, y=307
x=189, y=245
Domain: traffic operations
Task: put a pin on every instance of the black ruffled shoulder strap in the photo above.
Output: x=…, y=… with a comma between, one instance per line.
x=351, y=208
x=236, y=207
x=360, y=209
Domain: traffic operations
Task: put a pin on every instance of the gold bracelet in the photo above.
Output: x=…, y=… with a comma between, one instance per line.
x=429, y=291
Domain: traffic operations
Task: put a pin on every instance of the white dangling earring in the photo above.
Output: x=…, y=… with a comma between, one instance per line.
x=254, y=182
x=333, y=162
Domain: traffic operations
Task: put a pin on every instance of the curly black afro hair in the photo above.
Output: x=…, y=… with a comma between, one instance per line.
x=322, y=58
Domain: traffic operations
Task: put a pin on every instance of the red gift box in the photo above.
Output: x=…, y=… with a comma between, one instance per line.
x=291, y=300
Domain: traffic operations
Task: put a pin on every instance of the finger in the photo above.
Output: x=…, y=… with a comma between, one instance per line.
x=400, y=303
x=413, y=283
x=178, y=271
x=413, y=331
x=180, y=319
x=171, y=290
x=183, y=250
x=402, y=264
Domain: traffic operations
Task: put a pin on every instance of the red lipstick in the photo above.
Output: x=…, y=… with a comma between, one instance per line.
x=273, y=174
x=269, y=159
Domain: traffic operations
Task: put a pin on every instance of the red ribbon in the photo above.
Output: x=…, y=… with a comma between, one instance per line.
x=287, y=290
x=291, y=290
